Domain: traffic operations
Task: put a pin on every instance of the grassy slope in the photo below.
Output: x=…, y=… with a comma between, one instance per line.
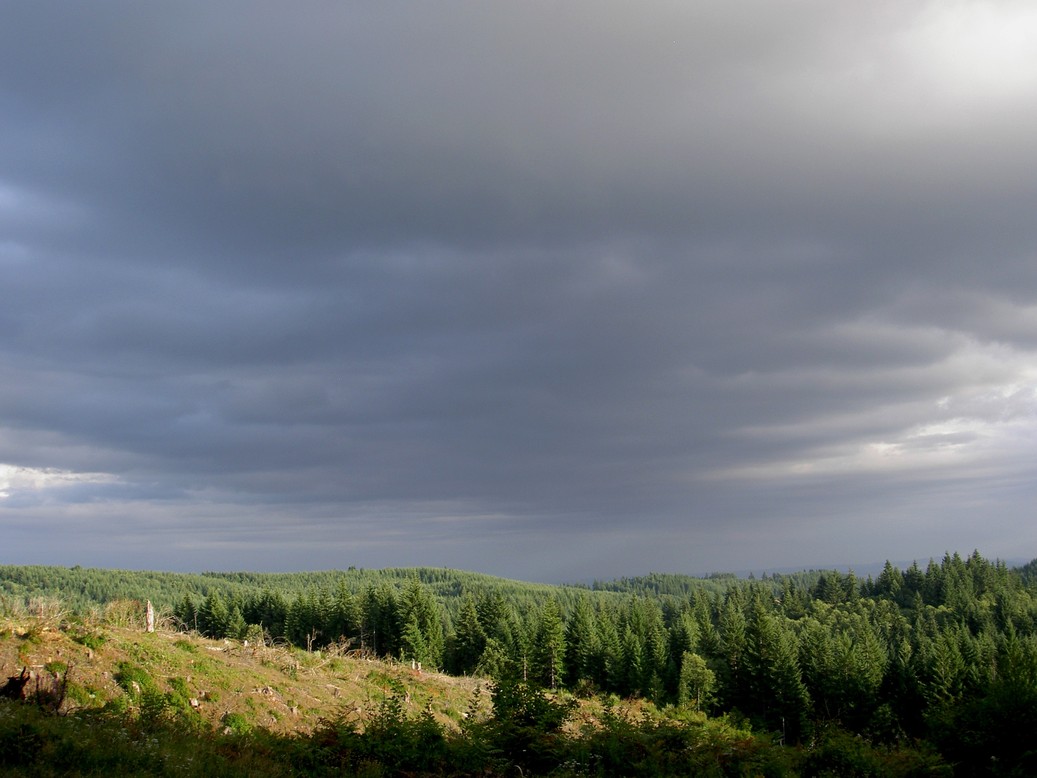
x=283, y=690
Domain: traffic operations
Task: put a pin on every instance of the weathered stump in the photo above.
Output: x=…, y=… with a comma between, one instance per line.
x=14, y=689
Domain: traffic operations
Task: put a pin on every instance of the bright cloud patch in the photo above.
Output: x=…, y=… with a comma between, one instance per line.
x=15, y=479
x=977, y=50
x=986, y=422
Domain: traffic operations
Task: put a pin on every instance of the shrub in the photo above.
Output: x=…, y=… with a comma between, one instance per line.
x=526, y=725
x=391, y=741
x=125, y=613
x=237, y=724
x=90, y=639
x=134, y=680
x=186, y=645
x=20, y=744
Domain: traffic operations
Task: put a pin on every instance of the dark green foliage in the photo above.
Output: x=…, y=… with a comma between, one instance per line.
x=19, y=746
x=134, y=680
x=582, y=647
x=214, y=616
x=526, y=727
x=33, y=743
x=469, y=640
x=731, y=629
x=185, y=613
x=237, y=724
x=89, y=638
x=497, y=618
x=422, y=639
x=391, y=740
x=269, y=609
x=840, y=754
x=306, y=619
x=844, y=663
x=547, y=663
x=943, y=653
x=524, y=736
x=889, y=582
x=380, y=614
x=777, y=697
x=344, y=618
x=696, y=682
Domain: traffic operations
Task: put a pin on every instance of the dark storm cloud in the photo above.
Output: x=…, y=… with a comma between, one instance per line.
x=487, y=278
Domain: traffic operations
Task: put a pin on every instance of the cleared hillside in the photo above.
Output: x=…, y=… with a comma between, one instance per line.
x=279, y=688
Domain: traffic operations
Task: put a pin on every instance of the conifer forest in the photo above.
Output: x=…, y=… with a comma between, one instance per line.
x=928, y=670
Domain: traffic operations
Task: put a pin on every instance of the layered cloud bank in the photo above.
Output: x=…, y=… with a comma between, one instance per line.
x=545, y=291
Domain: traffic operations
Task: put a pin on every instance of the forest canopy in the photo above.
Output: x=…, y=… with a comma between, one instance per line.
x=944, y=654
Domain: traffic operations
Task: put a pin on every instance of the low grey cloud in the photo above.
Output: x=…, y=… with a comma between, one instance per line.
x=553, y=292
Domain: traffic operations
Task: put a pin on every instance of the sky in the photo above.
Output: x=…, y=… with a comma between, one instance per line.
x=553, y=291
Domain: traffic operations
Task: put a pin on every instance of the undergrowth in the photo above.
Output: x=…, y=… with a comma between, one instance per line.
x=524, y=735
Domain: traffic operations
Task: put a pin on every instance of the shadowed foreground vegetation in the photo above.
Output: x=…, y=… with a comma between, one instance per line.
x=33, y=743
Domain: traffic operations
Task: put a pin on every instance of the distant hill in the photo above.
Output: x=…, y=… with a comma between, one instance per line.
x=82, y=587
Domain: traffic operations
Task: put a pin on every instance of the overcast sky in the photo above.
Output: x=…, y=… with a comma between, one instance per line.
x=549, y=290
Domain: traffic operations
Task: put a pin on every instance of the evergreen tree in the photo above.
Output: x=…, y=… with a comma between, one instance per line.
x=829, y=588
x=609, y=668
x=697, y=682
x=344, y=617
x=851, y=588
x=710, y=645
x=984, y=575
x=777, y=693
x=413, y=645
x=422, y=638
x=794, y=600
x=652, y=632
x=683, y=638
x=213, y=616
x=634, y=675
x=548, y=648
x=979, y=653
x=186, y=613
x=889, y=582
x=913, y=583
x=304, y=622
x=943, y=668
x=498, y=622
x=269, y=609
x=843, y=663
x=933, y=590
x=581, y=643
x=381, y=620
x=236, y=623
x=469, y=638
x=731, y=629
x=495, y=661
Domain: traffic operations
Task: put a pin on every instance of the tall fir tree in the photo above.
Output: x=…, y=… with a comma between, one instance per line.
x=548, y=646
x=469, y=639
